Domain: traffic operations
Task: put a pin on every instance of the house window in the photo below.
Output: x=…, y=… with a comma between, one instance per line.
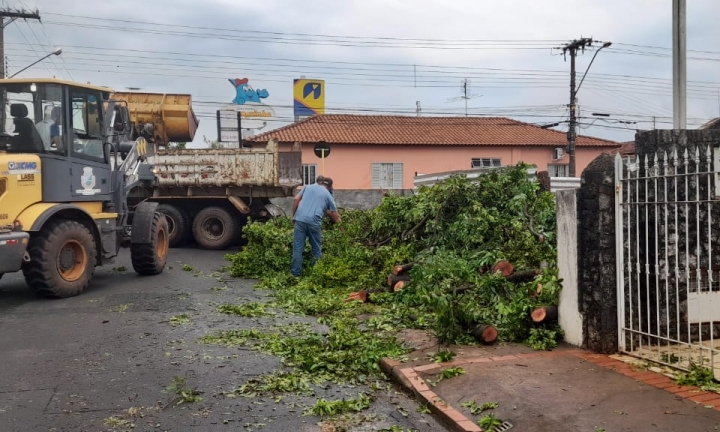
x=558, y=170
x=309, y=174
x=485, y=162
x=387, y=176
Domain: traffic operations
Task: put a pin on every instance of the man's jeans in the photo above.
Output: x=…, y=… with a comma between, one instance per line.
x=305, y=230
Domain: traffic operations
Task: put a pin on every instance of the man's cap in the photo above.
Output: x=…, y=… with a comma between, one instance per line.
x=327, y=181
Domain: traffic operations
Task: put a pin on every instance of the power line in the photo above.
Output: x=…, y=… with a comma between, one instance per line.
x=346, y=74
x=359, y=38
x=297, y=40
x=253, y=61
x=327, y=36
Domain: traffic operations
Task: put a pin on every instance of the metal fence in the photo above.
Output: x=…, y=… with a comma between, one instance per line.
x=556, y=183
x=667, y=225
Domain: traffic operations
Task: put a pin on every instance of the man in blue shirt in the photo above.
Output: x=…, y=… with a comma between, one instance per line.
x=309, y=206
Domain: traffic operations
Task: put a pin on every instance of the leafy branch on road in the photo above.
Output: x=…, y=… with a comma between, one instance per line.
x=253, y=309
x=330, y=408
x=179, y=319
x=181, y=393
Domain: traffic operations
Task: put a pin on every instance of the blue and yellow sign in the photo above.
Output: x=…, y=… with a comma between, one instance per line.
x=309, y=97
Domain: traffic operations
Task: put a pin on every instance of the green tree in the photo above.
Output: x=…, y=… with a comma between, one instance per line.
x=177, y=146
x=213, y=144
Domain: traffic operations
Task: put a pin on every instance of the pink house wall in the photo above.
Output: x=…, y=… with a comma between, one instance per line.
x=350, y=166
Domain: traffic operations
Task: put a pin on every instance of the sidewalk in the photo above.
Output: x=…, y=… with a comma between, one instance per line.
x=561, y=390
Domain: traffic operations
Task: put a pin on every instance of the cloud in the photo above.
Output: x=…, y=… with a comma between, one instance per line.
x=382, y=78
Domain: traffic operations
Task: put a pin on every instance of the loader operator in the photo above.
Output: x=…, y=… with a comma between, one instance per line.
x=309, y=206
x=49, y=129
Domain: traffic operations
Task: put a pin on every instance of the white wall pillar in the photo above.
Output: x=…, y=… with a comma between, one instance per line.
x=567, y=241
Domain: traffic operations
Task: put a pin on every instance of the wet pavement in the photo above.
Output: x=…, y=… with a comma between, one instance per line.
x=562, y=390
x=102, y=361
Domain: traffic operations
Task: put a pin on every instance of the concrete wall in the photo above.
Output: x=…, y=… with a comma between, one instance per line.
x=350, y=166
x=349, y=199
x=569, y=315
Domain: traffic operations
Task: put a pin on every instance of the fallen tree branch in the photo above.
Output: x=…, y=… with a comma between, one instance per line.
x=523, y=276
x=531, y=219
x=415, y=228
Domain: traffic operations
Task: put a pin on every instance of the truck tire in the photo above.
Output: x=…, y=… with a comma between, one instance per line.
x=63, y=255
x=150, y=258
x=178, y=223
x=214, y=228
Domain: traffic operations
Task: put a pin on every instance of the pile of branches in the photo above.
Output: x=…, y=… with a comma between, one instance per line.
x=451, y=251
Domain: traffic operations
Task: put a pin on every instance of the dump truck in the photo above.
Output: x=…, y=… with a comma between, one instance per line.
x=206, y=194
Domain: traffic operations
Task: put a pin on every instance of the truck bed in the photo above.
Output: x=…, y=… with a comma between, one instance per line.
x=228, y=168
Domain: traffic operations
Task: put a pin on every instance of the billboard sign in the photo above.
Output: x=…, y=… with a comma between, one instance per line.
x=309, y=97
x=248, y=107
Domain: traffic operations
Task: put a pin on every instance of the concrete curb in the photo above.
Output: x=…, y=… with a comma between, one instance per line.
x=408, y=378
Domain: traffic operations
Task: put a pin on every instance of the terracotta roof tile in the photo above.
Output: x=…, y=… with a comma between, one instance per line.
x=627, y=148
x=406, y=130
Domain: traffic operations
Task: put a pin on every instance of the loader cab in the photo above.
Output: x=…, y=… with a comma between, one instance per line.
x=62, y=123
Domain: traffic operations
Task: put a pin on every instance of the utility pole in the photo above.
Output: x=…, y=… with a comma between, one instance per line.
x=12, y=14
x=465, y=94
x=679, y=66
x=572, y=48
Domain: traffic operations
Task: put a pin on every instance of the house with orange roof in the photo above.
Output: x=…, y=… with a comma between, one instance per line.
x=387, y=152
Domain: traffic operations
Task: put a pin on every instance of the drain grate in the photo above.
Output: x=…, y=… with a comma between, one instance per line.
x=504, y=427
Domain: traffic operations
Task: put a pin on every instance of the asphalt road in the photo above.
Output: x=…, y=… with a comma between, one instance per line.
x=102, y=361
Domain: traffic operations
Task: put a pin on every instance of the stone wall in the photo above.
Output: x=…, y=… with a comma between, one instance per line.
x=597, y=289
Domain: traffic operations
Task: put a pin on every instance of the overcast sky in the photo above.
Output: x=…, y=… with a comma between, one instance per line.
x=384, y=55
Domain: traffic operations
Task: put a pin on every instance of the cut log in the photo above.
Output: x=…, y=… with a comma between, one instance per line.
x=400, y=285
x=400, y=269
x=361, y=296
x=504, y=267
x=485, y=333
x=523, y=275
x=544, y=314
x=394, y=279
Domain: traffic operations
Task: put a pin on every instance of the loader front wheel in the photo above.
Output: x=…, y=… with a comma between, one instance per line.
x=150, y=258
x=62, y=259
x=214, y=228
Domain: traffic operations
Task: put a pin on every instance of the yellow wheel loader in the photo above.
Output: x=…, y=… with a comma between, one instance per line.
x=64, y=188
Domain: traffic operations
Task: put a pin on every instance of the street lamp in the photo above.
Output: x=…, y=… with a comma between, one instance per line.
x=56, y=52
x=605, y=45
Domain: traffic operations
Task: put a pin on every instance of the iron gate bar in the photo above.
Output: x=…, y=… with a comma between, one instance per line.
x=642, y=187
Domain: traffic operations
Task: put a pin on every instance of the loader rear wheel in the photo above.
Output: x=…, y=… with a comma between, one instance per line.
x=62, y=259
x=178, y=221
x=214, y=228
x=150, y=258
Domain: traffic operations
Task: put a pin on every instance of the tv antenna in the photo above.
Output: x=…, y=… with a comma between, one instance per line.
x=465, y=95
